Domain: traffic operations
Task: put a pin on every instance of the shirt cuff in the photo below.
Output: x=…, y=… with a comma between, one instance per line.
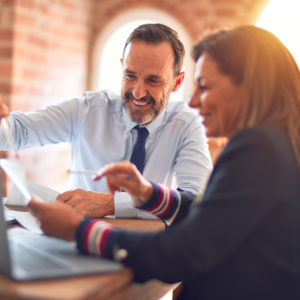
x=163, y=203
x=141, y=214
x=96, y=237
x=123, y=206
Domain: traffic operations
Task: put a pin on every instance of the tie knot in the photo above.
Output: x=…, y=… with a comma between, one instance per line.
x=142, y=133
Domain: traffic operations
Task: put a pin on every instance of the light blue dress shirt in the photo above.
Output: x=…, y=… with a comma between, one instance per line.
x=100, y=132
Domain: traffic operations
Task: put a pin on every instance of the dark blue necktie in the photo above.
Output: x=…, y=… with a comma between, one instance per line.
x=139, y=152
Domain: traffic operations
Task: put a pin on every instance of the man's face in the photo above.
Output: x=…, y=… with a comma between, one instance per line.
x=148, y=80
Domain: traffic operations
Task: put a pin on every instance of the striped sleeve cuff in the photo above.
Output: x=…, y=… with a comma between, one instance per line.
x=96, y=237
x=164, y=202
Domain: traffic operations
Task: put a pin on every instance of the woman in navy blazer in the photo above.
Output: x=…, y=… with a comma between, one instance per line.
x=241, y=239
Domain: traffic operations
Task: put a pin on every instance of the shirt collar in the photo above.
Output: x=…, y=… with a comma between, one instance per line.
x=156, y=123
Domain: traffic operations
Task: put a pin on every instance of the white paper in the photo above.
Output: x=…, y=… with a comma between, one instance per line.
x=15, y=172
x=8, y=216
x=27, y=219
x=43, y=192
x=22, y=192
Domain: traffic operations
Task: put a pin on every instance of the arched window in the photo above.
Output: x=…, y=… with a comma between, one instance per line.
x=107, y=70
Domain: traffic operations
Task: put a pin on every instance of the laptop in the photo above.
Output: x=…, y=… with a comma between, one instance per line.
x=25, y=255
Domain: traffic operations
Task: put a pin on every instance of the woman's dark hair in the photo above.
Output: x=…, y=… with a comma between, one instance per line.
x=258, y=60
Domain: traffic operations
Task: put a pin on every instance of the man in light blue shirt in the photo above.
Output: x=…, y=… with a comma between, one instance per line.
x=99, y=126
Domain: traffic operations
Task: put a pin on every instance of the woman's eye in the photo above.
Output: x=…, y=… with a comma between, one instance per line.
x=129, y=76
x=202, y=87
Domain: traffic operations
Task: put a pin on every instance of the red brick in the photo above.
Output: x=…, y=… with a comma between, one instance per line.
x=22, y=53
x=7, y=3
x=17, y=88
x=27, y=19
x=43, y=7
x=5, y=69
x=6, y=18
x=5, y=88
x=6, y=34
x=33, y=73
x=70, y=4
x=55, y=17
x=30, y=4
x=5, y=52
x=37, y=40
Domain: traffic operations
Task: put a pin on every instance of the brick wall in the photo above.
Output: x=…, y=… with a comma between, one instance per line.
x=46, y=46
x=6, y=47
x=43, y=58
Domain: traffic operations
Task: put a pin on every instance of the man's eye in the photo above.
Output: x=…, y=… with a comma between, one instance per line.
x=153, y=81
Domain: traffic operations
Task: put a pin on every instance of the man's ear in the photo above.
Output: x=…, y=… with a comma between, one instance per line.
x=178, y=81
x=121, y=60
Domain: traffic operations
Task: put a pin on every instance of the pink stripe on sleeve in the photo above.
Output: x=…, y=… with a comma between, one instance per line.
x=103, y=239
x=158, y=203
x=167, y=207
x=86, y=235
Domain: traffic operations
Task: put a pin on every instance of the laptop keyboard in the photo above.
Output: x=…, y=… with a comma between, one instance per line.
x=31, y=259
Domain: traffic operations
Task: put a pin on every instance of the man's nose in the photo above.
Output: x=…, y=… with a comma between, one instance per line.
x=139, y=90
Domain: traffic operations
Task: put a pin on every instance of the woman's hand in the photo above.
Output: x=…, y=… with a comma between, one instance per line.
x=57, y=219
x=125, y=176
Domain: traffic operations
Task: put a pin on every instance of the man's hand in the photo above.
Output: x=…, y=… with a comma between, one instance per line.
x=57, y=219
x=89, y=204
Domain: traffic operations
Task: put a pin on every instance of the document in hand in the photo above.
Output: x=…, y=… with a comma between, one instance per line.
x=21, y=194
x=26, y=218
x=14, y=170
x=25, y=255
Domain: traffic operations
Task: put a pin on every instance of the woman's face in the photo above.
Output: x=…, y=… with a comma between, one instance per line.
x=217, y=98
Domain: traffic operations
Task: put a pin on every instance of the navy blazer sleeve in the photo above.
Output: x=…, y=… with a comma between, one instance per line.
x=240, y=242
x=243, y=195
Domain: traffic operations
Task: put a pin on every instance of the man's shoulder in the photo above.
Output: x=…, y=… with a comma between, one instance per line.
x=102, y=98
x=180, y=111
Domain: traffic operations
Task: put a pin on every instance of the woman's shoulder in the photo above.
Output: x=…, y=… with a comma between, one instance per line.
x=260, y=132
x=261, y=143
x=261, y=136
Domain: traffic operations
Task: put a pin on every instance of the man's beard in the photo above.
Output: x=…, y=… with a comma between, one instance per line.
x=138, y=116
